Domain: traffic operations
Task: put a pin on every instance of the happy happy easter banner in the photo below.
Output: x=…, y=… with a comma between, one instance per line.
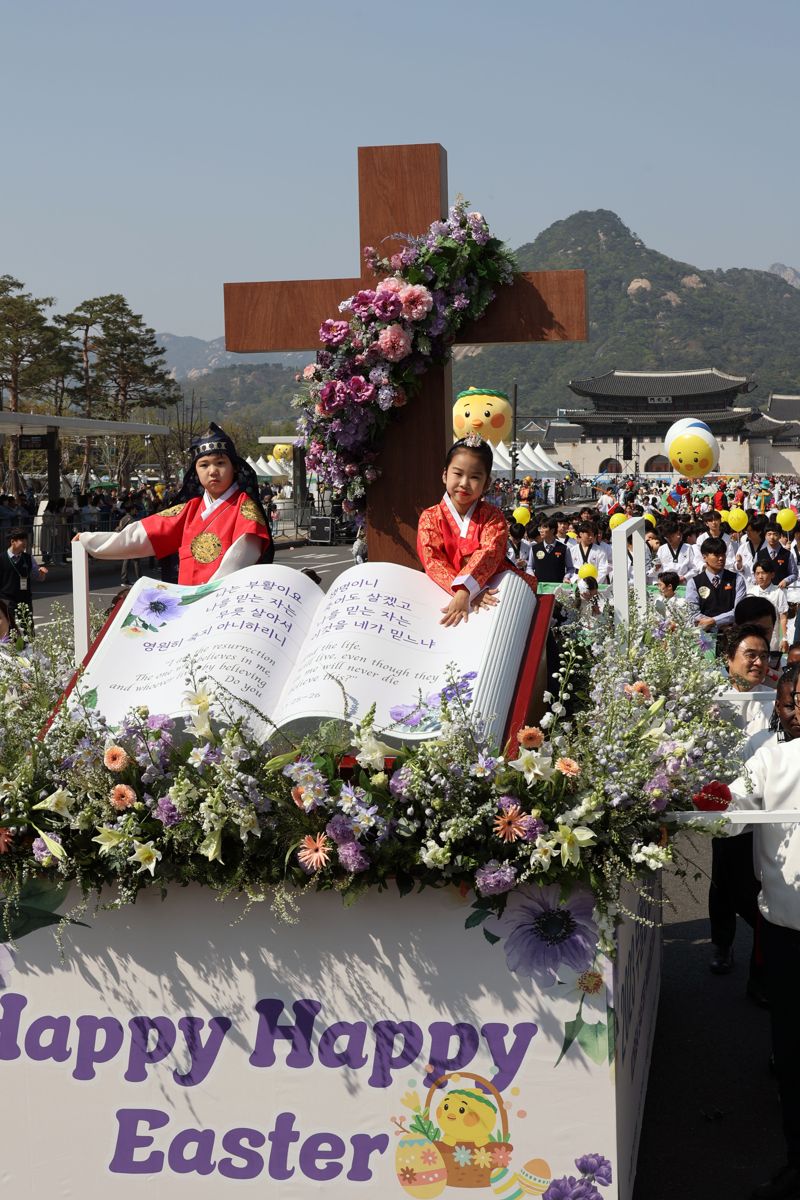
x=183, y=1043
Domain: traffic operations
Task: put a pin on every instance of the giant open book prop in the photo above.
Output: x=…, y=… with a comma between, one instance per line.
x=284, y=654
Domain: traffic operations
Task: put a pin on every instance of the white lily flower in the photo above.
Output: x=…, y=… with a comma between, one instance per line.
x=146, y=854
x=108, y=839
x=572, y=841
x=60, y=802
x=531, y=764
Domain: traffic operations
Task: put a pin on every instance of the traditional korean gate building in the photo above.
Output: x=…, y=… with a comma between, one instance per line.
x=625, y=415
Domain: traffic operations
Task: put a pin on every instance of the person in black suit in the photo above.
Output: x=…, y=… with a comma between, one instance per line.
x=18, y=568
x=549, y=556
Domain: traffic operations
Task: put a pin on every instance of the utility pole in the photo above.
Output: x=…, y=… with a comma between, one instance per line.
x=514, y=443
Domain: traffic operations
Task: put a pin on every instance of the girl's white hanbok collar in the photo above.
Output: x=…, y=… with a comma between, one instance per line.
x=461, y=522
x=210, y=506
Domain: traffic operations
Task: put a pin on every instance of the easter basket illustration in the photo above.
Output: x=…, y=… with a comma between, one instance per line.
x=470, y=1165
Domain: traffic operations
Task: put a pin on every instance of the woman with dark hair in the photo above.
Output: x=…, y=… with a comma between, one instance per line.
x=462, y=541
x=215, y=522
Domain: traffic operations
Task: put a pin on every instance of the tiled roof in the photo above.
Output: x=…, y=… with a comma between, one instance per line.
x=784, y=406
x=721, y=420
x=655, y=383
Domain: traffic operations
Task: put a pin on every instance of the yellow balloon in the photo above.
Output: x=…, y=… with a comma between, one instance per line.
x=522, y=515
x=737, y=519
x=617, y=519
x=787, y=519
x=282, y=453
x=587, y=571
x=650, y=518
x=480, y=410
x=723, y=512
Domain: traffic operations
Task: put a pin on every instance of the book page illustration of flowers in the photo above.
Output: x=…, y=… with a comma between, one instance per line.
x=157, y=606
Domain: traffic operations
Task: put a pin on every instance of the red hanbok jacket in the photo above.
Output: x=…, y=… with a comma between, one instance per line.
x=464, y=551
x=199, y=542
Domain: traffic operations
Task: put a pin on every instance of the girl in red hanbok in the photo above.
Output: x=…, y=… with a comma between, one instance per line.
x=215, y=524
x=462, y=541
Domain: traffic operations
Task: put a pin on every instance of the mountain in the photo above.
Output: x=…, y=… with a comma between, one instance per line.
x=788, y=273
x=646, y=312
x=191, y=357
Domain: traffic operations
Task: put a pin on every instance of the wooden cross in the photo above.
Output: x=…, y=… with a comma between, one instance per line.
x=403, y=189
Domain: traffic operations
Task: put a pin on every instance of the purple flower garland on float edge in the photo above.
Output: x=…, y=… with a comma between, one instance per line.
x=372, y=361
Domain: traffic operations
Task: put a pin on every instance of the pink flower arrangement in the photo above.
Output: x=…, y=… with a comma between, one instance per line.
x=372, y=362
x=392, y=284
x=417, y=302
x=394, y=343
x=333, y=333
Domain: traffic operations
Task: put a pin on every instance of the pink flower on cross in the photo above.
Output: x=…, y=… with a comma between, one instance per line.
x=394, y=343
x=333, y=333
x=416, y=300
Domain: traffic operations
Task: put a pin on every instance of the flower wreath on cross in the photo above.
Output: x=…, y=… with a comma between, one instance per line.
x=372, y=362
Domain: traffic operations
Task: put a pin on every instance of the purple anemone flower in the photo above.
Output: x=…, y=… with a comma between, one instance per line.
x=156, y=605
x=541, y=931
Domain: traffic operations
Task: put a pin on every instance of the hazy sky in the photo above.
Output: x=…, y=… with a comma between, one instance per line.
x=161, y=147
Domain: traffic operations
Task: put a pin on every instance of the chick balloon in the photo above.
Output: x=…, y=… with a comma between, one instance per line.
x=691, y=448
x=480, y=410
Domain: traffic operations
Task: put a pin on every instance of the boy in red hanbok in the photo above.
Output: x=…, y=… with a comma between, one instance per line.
x=462, y=541
x=216, y=523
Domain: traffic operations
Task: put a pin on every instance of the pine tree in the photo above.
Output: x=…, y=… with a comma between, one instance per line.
x=121, y=369
x=29, y=347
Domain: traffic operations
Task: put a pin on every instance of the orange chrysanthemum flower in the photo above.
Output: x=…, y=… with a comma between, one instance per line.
x=122, y=797
x=510, y=825
x=314, y=852
x=568, y=766
x=115, y=758
x=530, y=737
x=6, y=838
x=638, y=691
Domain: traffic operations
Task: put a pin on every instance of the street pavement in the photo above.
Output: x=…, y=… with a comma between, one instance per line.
x=711, y=1125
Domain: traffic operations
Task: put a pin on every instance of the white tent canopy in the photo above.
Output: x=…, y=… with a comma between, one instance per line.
x=270, y=469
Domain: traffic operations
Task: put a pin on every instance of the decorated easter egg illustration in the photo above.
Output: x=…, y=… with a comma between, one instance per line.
x=535, y=1177
x=421, y=1170
x=506, y=1184
x=480, y=410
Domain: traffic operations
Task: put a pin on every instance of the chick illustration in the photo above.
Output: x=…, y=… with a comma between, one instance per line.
x=691, y=456
x=479, y=410
x=691, y=448
x=466, y=1115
